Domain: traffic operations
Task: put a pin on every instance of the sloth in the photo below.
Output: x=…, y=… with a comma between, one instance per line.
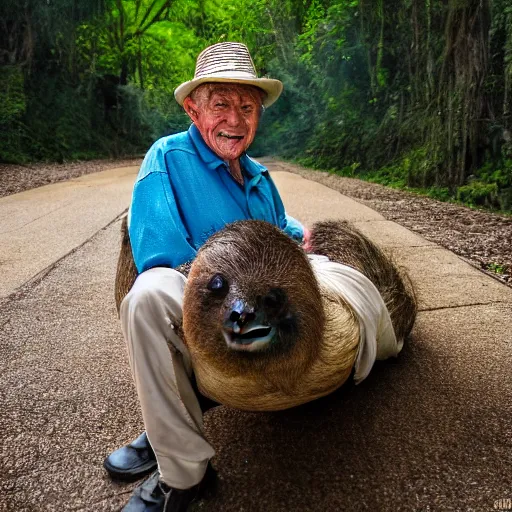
x=263, y=330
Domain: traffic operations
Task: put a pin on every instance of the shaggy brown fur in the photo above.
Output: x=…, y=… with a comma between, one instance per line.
x=126, y=269
x=341, y=242
x=255, y=257
x=314, y=357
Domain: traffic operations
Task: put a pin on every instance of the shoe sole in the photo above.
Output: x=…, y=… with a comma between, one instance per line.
x=131, y=474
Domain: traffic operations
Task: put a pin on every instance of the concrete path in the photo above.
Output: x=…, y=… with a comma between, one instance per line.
x=431, y=431
x=40, y=226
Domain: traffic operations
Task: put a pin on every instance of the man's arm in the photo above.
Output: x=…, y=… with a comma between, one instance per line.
x=157, y=233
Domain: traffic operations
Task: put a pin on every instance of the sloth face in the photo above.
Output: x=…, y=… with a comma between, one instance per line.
x=253, y=317
x=250, y=291
x=252, y=324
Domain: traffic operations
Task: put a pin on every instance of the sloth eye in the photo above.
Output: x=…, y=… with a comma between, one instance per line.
x=217, y=284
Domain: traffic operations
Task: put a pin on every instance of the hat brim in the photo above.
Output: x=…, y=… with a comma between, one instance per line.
x=272, y=87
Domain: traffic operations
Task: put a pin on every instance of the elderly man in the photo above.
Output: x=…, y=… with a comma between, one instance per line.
x=190, y=185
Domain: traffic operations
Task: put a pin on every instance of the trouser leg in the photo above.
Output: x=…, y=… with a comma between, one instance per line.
x=161, y=368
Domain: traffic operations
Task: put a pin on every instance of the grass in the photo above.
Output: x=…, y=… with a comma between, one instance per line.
x=475, y=195
x=497, y=268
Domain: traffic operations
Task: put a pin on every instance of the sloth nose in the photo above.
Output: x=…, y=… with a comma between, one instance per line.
x=241, y=313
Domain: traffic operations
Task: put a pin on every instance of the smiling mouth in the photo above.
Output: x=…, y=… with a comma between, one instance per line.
x=228, y=136
x=251, y=339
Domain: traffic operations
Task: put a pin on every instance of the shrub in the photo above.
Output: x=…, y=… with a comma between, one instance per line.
x=478, y=193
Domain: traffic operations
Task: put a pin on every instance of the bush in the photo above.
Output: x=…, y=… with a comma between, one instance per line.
x=478, y=193
x=391, y=176
x=12, y=108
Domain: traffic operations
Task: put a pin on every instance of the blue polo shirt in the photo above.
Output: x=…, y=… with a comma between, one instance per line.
x=184, y=193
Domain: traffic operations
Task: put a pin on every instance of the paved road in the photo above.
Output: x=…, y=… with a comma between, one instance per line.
x=432, y=431
x=42, y=225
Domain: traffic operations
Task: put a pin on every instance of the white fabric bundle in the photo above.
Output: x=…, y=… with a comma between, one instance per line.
x=377, y=338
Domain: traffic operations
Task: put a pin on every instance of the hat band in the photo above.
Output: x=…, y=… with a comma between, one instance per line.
x=227, y=73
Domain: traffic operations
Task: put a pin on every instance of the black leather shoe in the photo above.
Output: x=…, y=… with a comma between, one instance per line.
x=153, y=495
x=131, y=461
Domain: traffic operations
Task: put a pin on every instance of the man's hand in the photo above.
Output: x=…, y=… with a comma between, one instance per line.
x=306, y=241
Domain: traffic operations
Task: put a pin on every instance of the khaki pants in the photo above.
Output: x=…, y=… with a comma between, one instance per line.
x=161, y=368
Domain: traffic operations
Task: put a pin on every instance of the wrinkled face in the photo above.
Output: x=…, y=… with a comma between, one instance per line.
x=226, y=115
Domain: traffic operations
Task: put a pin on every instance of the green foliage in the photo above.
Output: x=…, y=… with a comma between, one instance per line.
x=439, y=193
x=307, y=39
x=478, y=193
x=12, y=96
x=12, y=108
x=402, y=92
x=491, y=186
x=392, y=176
x=408, y=91
x=497, y=268
x=100, y=81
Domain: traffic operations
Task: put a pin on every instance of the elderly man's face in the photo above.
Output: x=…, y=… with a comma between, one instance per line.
x=226, y=115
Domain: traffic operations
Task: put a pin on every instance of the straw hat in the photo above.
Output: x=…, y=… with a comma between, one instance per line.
x=228, y=63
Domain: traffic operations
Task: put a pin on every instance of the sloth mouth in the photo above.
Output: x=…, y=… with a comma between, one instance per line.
x=250, y=339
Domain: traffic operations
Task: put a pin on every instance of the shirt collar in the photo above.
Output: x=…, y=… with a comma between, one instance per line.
x=213, y=161
x=251, y=167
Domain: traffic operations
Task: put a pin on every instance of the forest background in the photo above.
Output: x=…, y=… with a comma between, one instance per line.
x=408, y=93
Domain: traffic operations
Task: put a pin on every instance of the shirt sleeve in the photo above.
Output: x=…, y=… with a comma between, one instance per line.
x=157, y=234
x=293, y=228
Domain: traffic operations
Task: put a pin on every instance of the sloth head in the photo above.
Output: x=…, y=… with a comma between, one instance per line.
x=252, y=306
